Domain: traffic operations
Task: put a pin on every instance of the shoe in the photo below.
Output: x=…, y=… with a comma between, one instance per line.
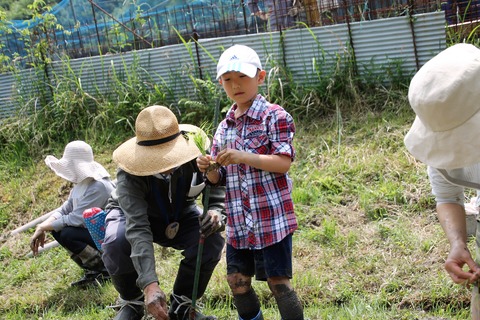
x=181, y=308
x=94, y=278
x=129, y=309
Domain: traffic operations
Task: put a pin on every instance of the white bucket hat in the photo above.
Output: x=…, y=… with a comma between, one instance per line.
x=77, y=163
x=159, y=144
x=445, y=95
x=239, y=58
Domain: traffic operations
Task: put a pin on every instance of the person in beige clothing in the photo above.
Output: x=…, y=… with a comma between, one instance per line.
x=445, y=95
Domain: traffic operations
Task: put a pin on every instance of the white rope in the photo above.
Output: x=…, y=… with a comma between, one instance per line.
x=122, y=303
x=184, y=301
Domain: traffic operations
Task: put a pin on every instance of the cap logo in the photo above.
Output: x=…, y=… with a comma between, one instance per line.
x=234, y=57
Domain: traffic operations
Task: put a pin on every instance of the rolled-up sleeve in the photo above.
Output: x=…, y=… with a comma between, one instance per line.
x=444, y=191
x=281, y=131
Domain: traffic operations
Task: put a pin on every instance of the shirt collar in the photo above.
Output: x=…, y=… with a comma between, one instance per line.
x=255, y=110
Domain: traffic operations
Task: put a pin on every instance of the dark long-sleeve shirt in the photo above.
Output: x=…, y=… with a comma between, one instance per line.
x=150, y=204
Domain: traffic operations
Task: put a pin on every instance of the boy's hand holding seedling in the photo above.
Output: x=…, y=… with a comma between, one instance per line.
x=205, y=162
x=212, y=221
x=209, y=167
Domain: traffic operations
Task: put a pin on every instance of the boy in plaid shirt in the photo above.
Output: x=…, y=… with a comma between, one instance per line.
x=253, y=146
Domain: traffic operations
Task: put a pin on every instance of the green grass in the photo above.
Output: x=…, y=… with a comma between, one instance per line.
x=369, y=244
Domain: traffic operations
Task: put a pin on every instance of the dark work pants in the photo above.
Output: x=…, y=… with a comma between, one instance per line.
x=116, y=251
x=74, y=239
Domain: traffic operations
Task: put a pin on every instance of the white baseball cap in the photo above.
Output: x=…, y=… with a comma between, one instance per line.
x=239, y=58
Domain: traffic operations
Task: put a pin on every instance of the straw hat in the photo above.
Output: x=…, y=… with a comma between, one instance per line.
x=159, y=144
x=445, y=95
x=77, y=163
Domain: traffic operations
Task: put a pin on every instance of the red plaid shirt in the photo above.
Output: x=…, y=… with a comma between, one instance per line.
x=259, y=204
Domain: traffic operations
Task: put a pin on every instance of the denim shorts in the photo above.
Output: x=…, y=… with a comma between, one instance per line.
x=272, y=261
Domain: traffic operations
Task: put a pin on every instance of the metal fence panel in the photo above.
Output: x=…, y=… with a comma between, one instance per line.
x=395, y=43
x=24, y=83
x=307, y=53
x=7, y=87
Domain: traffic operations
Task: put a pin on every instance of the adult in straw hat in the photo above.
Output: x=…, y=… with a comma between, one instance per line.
x=445, y=95
x=158, y=182
x=92, y=188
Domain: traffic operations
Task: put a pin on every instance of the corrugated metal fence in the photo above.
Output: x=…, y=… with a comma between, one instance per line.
x=376, y=44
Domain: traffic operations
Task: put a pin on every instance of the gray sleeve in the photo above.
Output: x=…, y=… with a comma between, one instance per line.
x=444, y=191
x=217, y=198
x=131, y=191
x=96, y=195
x=63, y=210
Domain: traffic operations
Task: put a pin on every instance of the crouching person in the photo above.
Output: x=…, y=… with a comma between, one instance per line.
x=158, y=182
x=92, y=188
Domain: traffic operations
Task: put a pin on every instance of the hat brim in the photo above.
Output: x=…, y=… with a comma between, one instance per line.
x=246, y=68
x=194, y=129
x=456, y=148
x=75, y=171
x=149, y=160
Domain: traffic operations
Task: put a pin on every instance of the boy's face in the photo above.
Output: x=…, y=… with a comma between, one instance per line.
x=241, y=88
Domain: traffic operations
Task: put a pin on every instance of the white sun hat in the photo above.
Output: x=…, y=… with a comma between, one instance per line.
x=239, y=58
x=445, y=95
x=77, y=163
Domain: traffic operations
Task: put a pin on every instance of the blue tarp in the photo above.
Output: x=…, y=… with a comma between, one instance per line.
x=85, y=26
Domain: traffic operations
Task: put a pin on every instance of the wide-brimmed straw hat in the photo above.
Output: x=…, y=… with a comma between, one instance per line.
x=160, y=143
x=77, y=163
x=445, y=95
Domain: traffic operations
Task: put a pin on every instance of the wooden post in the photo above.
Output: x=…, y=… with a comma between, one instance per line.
x=313, y=14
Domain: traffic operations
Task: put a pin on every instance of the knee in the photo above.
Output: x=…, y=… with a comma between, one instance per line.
x=279, y=286
x=116, y=255
x=238, y=283
x=215, y=244
x=212, y=250
x=70, y=239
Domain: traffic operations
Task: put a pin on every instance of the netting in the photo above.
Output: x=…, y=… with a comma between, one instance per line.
x=97, y=27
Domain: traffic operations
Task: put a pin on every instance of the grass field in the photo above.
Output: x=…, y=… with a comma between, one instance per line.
x=369, y=244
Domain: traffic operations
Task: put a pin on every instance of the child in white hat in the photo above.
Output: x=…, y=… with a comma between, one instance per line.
x=92, y=187
x=445, y=95
x=253, y=145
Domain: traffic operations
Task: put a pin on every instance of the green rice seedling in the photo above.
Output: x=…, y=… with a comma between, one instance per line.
x=200, y=139
x=202, y=142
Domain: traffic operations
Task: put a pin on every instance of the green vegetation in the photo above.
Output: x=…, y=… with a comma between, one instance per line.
x=368, y=247
x=19, y=9
x=369, y=244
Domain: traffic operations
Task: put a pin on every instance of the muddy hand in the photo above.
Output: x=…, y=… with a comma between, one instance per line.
x=156, y=302
x=37, y=240
x=211, y=223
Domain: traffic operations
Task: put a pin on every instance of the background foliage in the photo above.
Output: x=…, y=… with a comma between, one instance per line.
x=18, y=9
x=369, y=244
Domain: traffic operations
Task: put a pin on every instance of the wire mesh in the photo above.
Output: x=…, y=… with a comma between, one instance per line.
x=111, y=26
